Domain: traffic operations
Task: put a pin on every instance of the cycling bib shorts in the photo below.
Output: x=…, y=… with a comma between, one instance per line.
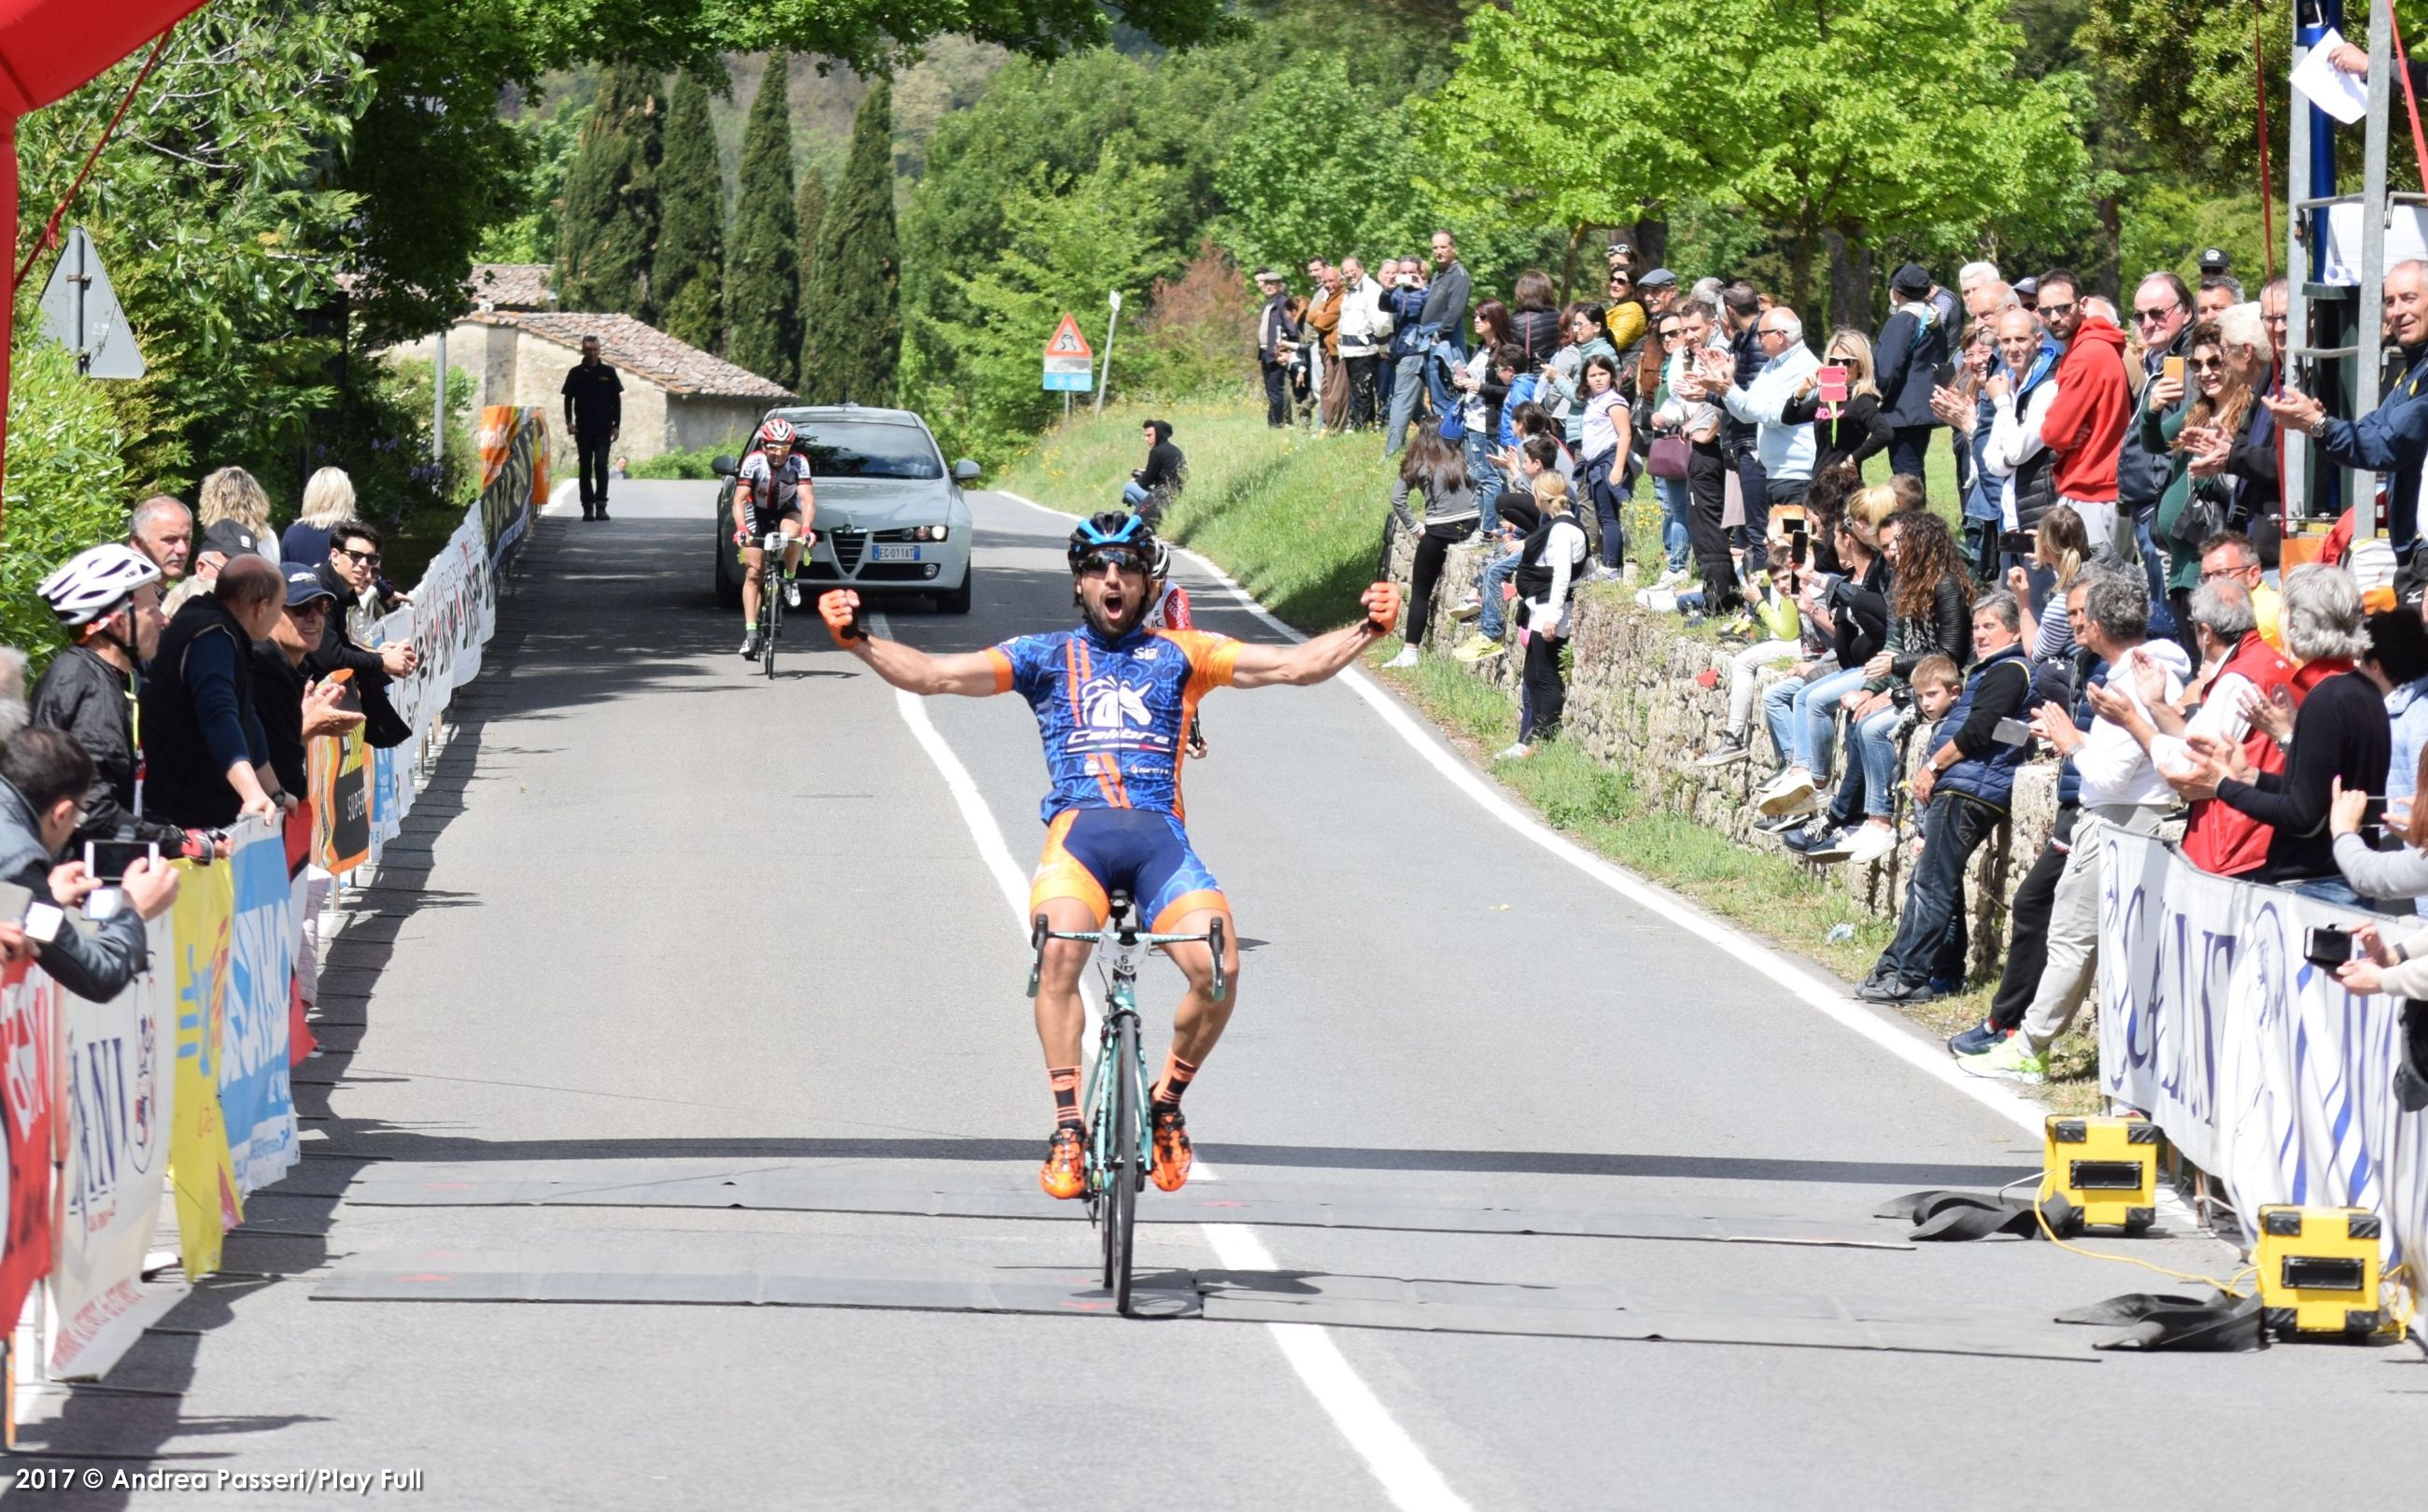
x=1091, y=852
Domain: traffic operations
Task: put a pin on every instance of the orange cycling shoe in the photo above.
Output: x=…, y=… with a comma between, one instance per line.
x=1172, y=1154
x=1064, y=1174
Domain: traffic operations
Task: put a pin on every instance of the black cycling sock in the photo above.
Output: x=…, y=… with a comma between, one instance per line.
x=1177, y=1074
x=1066, y=1096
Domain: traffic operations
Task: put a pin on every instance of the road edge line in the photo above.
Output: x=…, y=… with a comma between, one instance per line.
x=1784, y=971
x=1406, y=1473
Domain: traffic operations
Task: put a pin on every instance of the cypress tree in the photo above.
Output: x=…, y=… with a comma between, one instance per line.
x=689, y=278
x=808, y=212
x=855, y=327
x=608, y=229
x=764, y=296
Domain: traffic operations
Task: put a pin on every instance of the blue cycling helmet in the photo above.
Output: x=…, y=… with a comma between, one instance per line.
x=1114, y=527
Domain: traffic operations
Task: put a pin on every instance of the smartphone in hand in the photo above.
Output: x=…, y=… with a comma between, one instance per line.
x=106, y=860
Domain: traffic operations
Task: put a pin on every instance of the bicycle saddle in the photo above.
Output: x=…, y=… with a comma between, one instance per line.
x=1120, y=904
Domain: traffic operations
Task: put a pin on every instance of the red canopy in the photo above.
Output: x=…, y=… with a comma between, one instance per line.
x=48, y=49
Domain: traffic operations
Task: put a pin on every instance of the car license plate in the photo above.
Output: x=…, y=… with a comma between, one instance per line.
x=897, y=553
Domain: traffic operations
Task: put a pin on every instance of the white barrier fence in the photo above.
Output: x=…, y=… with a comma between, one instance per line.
x=2258, y=1065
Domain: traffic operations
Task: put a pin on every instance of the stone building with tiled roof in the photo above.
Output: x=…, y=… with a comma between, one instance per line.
x=518, y=346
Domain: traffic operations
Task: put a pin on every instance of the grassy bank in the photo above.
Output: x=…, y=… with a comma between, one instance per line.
x=1298, y=520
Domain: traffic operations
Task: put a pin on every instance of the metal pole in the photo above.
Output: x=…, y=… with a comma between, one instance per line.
x=1106, y=375
x=2370, y=345
x=83, y=280
x=438, y=404
x=2300, y=178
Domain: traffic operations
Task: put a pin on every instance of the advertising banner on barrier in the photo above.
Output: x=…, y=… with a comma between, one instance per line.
x=120, y=1103
x=28, y=1030
x=513, y=474
x=257, y=1101
x=2257, y=1064
x=201, y=922
x=336, y=772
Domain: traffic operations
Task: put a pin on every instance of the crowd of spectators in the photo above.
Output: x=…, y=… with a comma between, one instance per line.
x=196, y=671
x=2108, y=581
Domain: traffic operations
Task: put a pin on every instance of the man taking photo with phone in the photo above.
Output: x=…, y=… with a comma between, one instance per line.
x=43, y=777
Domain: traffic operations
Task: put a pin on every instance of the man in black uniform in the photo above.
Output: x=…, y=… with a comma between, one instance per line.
x=594, y=412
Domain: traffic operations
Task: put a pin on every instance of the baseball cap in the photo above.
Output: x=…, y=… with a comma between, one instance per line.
x=2026, y=287
x=1265, y=276
x=1658, y=278
x=2214, y=260
x=304, y=584
x=228, y=538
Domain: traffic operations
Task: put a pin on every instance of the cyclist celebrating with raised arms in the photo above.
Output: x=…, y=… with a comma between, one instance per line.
x=772, y=491
x=1113, y=700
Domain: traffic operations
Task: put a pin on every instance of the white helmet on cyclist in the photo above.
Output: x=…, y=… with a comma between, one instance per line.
x=1162, y=559
x=93, y=583
x=778, y=431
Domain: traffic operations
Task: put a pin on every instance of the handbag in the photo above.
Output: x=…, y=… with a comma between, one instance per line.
x=1668, y=458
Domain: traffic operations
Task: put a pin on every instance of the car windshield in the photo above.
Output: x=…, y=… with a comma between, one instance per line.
x=858, y=449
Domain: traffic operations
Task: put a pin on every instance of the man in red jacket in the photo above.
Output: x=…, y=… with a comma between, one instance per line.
x=2085, y=424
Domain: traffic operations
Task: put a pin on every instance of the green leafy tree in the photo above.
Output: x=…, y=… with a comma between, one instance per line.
x=689, y=278
x=66, y=487
x=218, y=226
x=1067, y=243
x=1287, y=202
x=764, y=297
x=855, y=335
x=1866, y=118
x=809, y=214
x=2179, y=75
x=431, y=161
x=608, y=226
x=868, y=35
x=551, y=139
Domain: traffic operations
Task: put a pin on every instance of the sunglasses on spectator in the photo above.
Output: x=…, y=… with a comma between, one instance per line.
x=2206, y=364
x=1094, y=563
x=1671, y=332
x=2213, y=575
x=2048, y=308
x=367, y=558
x=2144, y=317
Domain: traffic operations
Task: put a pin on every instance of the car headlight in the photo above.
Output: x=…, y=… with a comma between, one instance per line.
x=937, y=532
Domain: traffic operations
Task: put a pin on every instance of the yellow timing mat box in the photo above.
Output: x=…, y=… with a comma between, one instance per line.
x=2318, y=1271
x=2107, y=1167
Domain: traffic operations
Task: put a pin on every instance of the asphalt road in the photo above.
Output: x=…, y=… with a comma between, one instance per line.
x=660, y=909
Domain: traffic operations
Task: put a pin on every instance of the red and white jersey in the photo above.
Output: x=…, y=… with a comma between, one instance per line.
x=1170, y=610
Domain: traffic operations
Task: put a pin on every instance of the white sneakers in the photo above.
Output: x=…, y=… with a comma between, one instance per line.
x=1869, y=843
x=1782, y=793
x=1514, y=753
x=1407, y=658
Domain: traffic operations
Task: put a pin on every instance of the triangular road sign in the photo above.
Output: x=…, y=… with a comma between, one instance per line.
x=1067, y=341
x=80, y=311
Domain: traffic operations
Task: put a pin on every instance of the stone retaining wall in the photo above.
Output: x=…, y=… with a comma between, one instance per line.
x=1636, y=700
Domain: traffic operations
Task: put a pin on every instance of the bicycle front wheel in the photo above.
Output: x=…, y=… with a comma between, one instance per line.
x=1123, y=1142
x=771, y=610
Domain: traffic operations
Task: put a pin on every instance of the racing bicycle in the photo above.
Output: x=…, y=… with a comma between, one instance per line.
x=1121, y=1147
x=771, y=597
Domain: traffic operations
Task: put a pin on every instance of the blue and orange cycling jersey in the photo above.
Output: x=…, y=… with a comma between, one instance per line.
x=1114, y=712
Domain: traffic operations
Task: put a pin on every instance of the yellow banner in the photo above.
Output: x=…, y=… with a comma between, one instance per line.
x=200, y=1167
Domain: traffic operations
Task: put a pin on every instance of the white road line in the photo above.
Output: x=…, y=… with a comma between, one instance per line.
x=1799, y=981
x=1406, y=1473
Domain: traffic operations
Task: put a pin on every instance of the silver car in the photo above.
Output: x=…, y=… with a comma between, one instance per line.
x=891, y=519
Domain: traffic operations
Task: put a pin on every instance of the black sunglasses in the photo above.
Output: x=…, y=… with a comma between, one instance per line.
x=1093, y=563
x=368, y=558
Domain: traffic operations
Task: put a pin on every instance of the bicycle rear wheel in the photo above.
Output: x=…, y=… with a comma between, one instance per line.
x=1121, y=1164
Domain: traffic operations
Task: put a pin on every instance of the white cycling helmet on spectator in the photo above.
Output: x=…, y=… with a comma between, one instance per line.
x=93, y=583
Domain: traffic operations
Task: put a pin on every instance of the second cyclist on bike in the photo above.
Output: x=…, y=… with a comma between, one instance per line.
x=772, y=492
